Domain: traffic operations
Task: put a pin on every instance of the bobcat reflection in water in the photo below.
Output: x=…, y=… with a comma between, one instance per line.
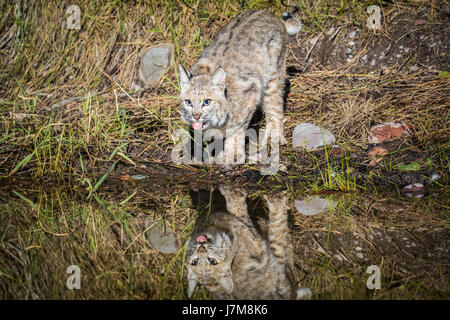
x=237, y=257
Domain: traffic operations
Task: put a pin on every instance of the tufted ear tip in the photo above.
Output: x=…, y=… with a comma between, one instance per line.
x=218, y=78
x=192, y=283
x=184, y=77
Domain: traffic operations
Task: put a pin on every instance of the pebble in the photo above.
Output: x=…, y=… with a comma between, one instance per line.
x=139, y=176
x=304, y=294
x=313, y=205
x=388, y=131
x=310, y=136
x=435, y=176
x=162, y=238
x=154, y=62
x=378, y=151
x=415, y=190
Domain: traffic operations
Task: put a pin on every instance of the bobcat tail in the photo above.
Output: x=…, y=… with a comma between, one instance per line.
x=303, y=294
x=292, y=24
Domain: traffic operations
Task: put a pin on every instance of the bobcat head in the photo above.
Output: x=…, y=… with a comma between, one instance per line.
x=208, y=261
x=202, y=99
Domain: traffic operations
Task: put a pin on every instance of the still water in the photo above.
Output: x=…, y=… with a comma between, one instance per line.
x=153, y=240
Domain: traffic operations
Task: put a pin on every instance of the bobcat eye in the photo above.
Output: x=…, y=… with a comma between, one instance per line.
x=188, y=102
x=194, y=262
x=206, y=102
x=212, y=261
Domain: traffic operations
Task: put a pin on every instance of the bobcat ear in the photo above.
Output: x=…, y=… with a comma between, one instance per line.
x=226, y=283
x=184, y=78
x=218, y=79
x=192, y=283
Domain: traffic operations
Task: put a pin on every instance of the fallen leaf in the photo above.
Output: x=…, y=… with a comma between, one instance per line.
x=413, y=166
x=378, y=151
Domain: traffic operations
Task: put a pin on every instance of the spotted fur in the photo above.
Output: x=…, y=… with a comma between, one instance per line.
x=247, y=264
x=244, y=67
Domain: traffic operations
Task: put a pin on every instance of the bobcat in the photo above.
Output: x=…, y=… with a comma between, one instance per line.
x=235, y=261
x=244, y=67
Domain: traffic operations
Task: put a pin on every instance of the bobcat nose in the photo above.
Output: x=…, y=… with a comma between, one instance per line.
x=201, y=248
x=196, y=116
x=201, y=239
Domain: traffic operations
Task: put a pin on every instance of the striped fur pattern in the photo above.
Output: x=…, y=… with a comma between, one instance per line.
x=248, y=264
x=244, y=67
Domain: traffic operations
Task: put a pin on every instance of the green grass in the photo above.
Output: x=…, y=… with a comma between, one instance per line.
x=68, y=113
x=103, y=237
x=45, y=230
x=57, y=106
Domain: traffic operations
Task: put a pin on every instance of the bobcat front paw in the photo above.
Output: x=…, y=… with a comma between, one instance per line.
x=276, y=200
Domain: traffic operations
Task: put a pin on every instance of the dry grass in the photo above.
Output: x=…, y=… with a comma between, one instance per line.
x=103, y=238
x=402, y=244
x=46, y=230
x=68, y=111
x=67, y=93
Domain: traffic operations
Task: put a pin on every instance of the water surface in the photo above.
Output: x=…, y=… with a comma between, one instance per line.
x=128, y=240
